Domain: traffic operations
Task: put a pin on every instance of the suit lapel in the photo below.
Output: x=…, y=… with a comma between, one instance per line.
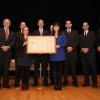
x=67, y=35
x=38, y=32
x=9, y=35
x=87, y=34
x=4, y=36
x=70, y=33
x=43, y=32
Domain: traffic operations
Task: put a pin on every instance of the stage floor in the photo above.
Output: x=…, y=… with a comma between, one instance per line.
x=48, y=93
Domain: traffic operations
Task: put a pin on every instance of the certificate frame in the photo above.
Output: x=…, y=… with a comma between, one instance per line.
x=41, y=45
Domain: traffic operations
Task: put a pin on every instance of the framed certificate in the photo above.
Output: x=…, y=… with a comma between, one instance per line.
x=41, y=44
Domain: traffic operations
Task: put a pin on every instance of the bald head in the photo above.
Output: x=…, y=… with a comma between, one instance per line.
x=6, y=23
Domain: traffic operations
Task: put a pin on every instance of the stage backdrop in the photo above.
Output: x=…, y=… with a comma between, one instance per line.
x=50, y=11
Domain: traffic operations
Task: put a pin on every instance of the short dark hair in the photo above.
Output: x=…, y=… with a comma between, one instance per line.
x=85, y=22
x=40, y=20
x=59, y=31
x=69, y=21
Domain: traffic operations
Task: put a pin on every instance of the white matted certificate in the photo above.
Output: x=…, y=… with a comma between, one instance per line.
x=41, y=44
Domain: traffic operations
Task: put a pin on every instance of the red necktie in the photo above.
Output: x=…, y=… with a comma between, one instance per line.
x=6, y=33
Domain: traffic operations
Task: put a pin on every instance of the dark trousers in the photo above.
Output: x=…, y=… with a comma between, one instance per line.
x=17, y=73
x=44, y=62
x=89, y=61
x=99, y=56
x=51, y=72
x=25, y=74
x=4, y=63
x=70, y=62
x=57, y=68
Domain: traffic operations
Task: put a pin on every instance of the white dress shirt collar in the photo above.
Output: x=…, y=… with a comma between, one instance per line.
x=21, y=31
x=86, y=32
x=68, y=30
x=7, y=29
x=41, y=29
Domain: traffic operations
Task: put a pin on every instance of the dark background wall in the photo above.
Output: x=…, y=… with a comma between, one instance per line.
x=50, y=11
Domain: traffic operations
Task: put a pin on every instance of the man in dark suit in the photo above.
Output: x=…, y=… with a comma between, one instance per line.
x=17, y=71
x=7, y=40
x=88, y=55
x=51, y=67
x=71, y=53
x=98, y=41
x=43, y=58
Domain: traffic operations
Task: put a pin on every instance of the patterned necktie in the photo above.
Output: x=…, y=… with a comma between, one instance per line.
x=85, y=34
x=6, y=33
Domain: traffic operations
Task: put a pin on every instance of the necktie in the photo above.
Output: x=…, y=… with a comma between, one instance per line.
x=41, y=32
x=69, y=31
x=85, y=34
x=6, y=33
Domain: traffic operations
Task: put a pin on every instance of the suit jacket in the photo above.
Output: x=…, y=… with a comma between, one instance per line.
x=72, y=41
x=87, y=42
x=60, y=54
x=10, y=42
x=37, y=33
x=98, y=37
x=20, y=48
x=17, y=36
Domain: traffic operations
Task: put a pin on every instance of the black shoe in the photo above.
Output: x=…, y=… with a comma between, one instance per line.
x=65, y=84
x=55, y=87
x=84, y=85
x=7, y=86
x=52, y=83
x=34, y=85
x=26, y=87
x=23, y=87
x=46, y=85
x=95, y=86
x=0, y=86
x=76, y=85
x=59, y=87
x=16, y=85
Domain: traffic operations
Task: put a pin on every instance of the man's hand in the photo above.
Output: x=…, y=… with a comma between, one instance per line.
x=85, y=50
x=69, y=49
x=25, y=43
x=98, y=48
x=5, y=48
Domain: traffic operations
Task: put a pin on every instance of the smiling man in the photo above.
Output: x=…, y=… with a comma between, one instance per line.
x=88, y=54
x=7, y=40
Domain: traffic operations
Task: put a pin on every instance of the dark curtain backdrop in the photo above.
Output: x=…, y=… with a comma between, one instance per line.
x=50, y=11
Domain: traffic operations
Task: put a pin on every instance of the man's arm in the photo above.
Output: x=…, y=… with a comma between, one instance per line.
x=76, y=40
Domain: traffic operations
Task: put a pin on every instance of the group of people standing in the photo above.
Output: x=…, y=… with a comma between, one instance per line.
x=64, y=59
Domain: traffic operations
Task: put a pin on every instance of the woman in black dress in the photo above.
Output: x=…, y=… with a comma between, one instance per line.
x=24, y=61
